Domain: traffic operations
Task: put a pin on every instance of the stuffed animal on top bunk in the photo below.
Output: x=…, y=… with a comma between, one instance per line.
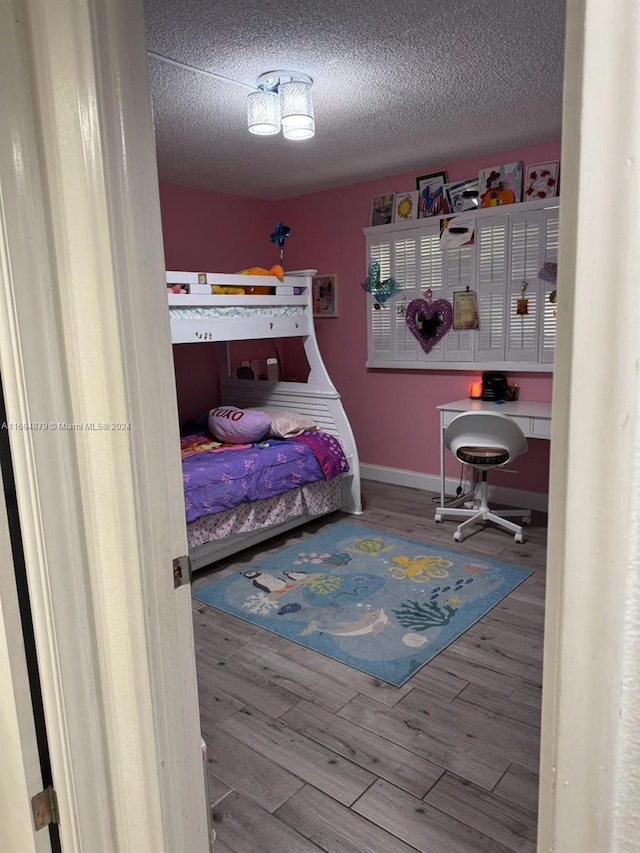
x=276, y=271
x=256, y=290
x=227, y=288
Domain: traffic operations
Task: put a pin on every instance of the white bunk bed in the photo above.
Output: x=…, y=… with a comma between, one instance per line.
x=196, y=318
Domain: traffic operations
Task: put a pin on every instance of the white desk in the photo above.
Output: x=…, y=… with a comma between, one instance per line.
x=534, y=419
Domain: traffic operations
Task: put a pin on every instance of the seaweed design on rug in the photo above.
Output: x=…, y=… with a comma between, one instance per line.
x=412, y=614
x=336, y=560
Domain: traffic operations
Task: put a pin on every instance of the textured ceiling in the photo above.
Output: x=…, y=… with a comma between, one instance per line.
x=399, y=86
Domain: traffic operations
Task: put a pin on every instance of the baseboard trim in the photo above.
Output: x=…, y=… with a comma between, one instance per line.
x=431, y=483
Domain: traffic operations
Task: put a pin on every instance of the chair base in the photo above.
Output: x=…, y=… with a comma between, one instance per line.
x=484, y=513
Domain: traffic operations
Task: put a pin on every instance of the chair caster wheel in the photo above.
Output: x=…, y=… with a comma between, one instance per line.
x=519, y=537
x=458, y=536
x=438, y=519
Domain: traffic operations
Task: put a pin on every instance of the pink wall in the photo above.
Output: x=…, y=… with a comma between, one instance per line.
x=213, y=232
x=392, y=412
x=205, y=231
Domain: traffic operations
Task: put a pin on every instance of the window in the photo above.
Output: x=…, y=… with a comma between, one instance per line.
x=510, y=246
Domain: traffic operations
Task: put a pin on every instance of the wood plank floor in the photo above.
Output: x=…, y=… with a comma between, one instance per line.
x=307, y=754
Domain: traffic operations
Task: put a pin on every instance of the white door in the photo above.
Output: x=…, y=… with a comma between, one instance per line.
x=86, y=363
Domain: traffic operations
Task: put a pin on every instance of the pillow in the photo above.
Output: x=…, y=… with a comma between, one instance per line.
x=238, y=426
x=285, y=424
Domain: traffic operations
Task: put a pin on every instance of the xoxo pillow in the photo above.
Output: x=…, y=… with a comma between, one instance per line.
x=238, y=426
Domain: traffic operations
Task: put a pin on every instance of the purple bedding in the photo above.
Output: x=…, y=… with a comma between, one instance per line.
x=221, y=480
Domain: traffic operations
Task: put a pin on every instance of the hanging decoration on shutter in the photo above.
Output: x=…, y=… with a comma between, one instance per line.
x=381, y=291
x=522, y=304
x=429, y=321
x=456, y=232
x=465, y=310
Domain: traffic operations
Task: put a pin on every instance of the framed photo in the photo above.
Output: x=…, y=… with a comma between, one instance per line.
x=325, y=295
x=406, y=206
x=432, y=199
x=463, y=195
x=382, y=209
x=541, y=180
x=499, y=185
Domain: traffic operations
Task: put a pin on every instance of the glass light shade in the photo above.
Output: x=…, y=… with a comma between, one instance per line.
x=263, y=112
x=305, y=128
x=296, y=104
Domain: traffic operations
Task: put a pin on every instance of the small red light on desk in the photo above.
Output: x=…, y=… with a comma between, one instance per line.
x=475, y=390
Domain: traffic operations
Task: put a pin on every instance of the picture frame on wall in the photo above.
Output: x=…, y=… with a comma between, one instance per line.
x=541, y=180
x=406, y=206
x=432, y=198
x=325, y=295
x=382, y=206
x=500, y=185
x=463, y=195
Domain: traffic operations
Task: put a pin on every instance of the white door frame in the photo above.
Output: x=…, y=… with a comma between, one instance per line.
x=84, y=339
x=589, y=777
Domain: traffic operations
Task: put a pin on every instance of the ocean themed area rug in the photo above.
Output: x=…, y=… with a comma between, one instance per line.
x=383, y=604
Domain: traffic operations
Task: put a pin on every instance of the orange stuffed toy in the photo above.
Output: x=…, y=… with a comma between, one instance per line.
x=257, y=290
x=276, y=271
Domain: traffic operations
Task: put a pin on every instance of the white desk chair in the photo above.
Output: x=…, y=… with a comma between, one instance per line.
x=485, y=440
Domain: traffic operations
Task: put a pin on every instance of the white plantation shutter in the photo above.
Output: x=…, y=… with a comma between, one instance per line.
x=511, y=245
x=430, y=261
x=459, y=274
x=430, y=276
x=548, y=309
x=404, y=269
x=492, y=235
x=527, y=256
x=380, y=345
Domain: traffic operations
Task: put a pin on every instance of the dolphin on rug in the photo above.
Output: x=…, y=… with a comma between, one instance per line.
x=371, y=623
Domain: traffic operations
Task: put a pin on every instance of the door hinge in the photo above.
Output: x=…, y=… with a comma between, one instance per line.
x=181, y=571
x=44, y=807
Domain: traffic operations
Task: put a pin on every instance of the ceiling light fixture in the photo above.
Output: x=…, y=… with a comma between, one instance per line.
x=283, y=99
x=280, y=99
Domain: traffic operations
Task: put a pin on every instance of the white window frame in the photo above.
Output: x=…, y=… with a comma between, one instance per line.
x=388, y=346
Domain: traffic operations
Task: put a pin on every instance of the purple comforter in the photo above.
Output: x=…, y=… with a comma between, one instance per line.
x=214, y=482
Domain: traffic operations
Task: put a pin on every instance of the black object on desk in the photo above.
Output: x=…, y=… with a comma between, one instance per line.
x=494, y=386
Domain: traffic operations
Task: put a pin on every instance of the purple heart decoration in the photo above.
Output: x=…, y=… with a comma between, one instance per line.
x=429, y=321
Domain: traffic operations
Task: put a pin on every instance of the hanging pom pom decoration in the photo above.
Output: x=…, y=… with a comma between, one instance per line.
x=280, y=234
x=381, y=291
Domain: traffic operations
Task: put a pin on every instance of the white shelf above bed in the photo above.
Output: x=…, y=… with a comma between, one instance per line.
x=260, y=316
